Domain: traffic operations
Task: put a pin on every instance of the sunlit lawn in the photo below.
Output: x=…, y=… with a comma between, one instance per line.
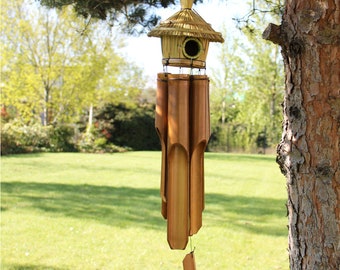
x=92, y=211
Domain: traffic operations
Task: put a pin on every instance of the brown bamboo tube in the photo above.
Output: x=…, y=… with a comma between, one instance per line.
x=161, y=124
x=189, y=262
x=199, y=137
x=178, y=161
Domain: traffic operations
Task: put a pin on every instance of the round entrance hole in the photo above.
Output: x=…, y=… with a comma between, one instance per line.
x=192, y=48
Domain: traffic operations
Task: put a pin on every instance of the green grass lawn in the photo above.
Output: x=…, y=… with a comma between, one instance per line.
x=102, y=211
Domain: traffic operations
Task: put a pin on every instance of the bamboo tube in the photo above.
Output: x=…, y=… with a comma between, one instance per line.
x=199, y=137
x=189, y=262
x=177, y=204
x=178, y=161
x=161, y=124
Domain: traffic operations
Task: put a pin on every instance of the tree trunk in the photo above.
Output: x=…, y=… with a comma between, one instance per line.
x=90, y=121
x=46, y=114
x=308, y=154
x=91, y=115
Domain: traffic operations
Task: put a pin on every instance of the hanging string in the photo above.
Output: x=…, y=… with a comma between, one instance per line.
x=191, y=249
x=189, y=260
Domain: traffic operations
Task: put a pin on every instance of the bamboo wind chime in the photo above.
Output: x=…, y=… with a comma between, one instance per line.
x=182, y=122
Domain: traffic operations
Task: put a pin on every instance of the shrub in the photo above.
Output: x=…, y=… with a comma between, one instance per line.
x=128, y=127
x=17, y=138
x=9, y=144
x=62, y=139
x=91, y=143
x=100, y=142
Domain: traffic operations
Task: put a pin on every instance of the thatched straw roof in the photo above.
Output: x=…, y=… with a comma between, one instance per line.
x=189, y=23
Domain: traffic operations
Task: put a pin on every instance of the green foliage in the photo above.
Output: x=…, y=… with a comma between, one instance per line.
x=228, y=87
x=18, y=138
x=261, y=12
x=261, y=141
x=42, y=73
x=246, y=95
x=261, y=110
x=8, y=142
x=132, y=16
x=55, y=66
x=134, y=13
x=94, y=142
x=131, y=127
x=61, y=139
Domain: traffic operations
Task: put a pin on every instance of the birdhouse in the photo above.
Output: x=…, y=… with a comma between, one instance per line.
x=185, y=38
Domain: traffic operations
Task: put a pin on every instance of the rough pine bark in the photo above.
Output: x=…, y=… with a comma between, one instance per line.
x=309, y=152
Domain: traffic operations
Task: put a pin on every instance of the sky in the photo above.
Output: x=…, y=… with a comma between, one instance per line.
x=146, y=51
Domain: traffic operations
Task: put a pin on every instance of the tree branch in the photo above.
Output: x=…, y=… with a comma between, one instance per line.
x=273, y=34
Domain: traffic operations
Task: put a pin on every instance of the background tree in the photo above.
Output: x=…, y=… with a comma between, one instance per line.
x=55, y=67
x=227, y=89
x=56, y=71
x=260, y=110
x=111, y=78
x=247, y=93
x=46, y=54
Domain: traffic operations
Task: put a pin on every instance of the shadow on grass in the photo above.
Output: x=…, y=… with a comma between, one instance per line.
x=31, y=267
x=138, y=207
x=255, y=214
x=238, y=157
x=116, y=206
